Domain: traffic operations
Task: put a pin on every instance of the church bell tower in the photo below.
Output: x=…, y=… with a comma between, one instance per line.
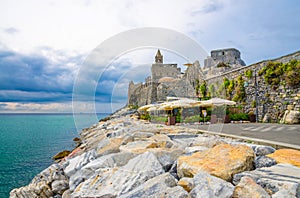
x=158, y=57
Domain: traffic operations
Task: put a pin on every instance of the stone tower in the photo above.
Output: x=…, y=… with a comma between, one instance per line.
x=158, y=57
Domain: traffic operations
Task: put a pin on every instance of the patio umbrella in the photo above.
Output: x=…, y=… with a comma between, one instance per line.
x=181, y=103
x=146, y=107
x=217, y=102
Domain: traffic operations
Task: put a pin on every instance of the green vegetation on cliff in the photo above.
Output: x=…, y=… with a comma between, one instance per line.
x=276, y=73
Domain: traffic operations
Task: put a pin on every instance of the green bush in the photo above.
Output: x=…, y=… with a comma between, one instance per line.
x=203, y=89
x=276, y=73
x=195, y=118
x=145, y=117
x=239, y=116
x=249, y=73
x=161, y=119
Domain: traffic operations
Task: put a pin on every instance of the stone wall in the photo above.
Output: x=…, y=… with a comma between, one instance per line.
x=271, y=101
x=164, y=70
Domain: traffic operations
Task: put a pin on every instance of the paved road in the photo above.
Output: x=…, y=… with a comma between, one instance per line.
x=289, y=134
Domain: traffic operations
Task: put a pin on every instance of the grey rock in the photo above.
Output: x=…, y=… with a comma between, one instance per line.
x=264, y=161
x=159, y=186
x=194, y=149
x=280, y=179
x=173, y=170
x=207, y=185
x=118, y=181
x=166, y=157
x=74, y=164
x=141, y=135
x=182, y=136
x=36, y=190
x=267, y=118
x=248, y=188
x=291, y=117
x=263, y=150
x=176, y=191
x=66, y=194
x=107, y=161
x=40, y=184
x=59, y=186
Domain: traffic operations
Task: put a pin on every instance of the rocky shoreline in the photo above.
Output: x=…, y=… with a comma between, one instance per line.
x=122, y=156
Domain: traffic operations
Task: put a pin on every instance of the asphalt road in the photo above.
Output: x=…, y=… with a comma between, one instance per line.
x=289, y=134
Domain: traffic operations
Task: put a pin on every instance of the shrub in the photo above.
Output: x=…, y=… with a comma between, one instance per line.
x=203, y=89
x=253, y=104
x=145, y=116
x=239, y=116
x=249, y=73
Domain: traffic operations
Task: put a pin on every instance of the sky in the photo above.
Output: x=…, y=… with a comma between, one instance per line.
x=44, y=45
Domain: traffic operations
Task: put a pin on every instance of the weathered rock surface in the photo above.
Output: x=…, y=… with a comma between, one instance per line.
x=160, y=186
x=264, y=161
x=248, y=188
x=118, y=181
x=61, y=155
x=127, y=157
x=222, y=161
x=263, y=150
x=187, y=183
x=108, y=146
x=281, y=180
x=41, y=184
x=207, y=185
x=291, y=117
x=289, y=156
x=107, y=161
x=76, y=163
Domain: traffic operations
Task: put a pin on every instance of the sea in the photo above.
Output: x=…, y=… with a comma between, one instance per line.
x=29, y=141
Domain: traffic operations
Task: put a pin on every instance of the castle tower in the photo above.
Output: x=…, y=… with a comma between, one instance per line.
x=158, y=57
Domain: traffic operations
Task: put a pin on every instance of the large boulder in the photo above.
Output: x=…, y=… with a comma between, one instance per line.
x=138, y=146
x=281, y=180
x=207, y=185
x=40, y=185
x=267, y=118
x=248, y=188
x=160, y=186
x=114, y=182
x=107, y=161
x=291, y=117
x=264, y=161
x=108, y=146
x=222, y=161
x=74, y=164
x=289, y=156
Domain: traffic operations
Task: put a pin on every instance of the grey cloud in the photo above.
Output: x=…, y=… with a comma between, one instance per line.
x=10, y=30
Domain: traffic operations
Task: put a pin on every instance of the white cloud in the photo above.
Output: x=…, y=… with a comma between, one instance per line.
x=65, y=32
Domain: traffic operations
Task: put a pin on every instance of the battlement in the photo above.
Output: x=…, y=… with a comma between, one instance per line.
x=229, y=56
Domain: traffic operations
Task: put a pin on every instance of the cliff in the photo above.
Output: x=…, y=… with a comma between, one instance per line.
x=127, y=157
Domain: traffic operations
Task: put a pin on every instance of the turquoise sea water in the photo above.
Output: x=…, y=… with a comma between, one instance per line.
x=28, y=142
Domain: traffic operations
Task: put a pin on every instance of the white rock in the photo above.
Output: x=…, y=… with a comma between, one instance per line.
x=207, y=185
x=118, y=181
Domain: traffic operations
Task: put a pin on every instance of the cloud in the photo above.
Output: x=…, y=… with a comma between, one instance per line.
x=10, y=30
x=41, y=52
x=37, y=77
x=209, y=7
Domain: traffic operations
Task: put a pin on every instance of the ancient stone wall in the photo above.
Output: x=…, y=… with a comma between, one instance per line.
x=271, y=101
x=164, y=70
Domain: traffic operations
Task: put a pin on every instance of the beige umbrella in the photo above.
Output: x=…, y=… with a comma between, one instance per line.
x=217, y=102
x=181, y=103
x=146, y=107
